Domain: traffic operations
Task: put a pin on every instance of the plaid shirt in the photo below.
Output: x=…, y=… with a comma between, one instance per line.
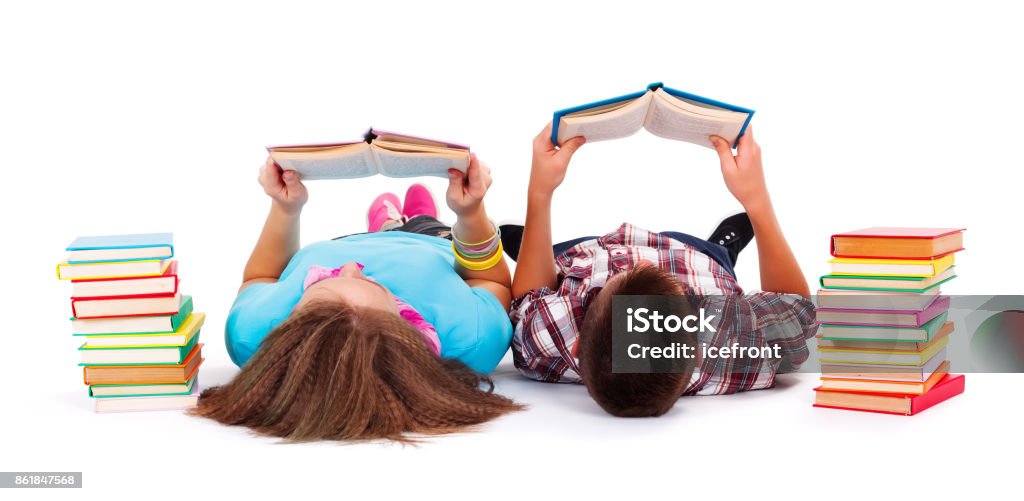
x=547, y=321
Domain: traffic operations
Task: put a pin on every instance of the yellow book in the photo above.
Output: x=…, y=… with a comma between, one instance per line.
x=882, y=357
x=891, y=267
x=112, y=269
x=181, y=337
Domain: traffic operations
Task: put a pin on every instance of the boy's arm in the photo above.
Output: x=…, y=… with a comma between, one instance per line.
x=536, y=266
x=279, y=240
x=744, y=176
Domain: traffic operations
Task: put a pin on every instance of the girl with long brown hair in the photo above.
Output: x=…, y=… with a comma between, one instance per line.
x=380, y=335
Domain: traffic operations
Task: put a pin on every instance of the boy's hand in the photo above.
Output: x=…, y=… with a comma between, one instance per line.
x=550, y=163
x=284, y=187
x=466, y=191
x=743, y=173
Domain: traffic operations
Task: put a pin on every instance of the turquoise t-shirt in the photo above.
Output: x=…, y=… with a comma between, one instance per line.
x=471, y=323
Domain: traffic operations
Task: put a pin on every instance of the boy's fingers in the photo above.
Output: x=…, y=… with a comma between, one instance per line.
x=290, y=177
x=747, y=140
x=571, y=146
x=724, y=153
x=543, y=140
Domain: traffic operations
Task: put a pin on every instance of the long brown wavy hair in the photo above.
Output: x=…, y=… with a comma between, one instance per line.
x=337, y=372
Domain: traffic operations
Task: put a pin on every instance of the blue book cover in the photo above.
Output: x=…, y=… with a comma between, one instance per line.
x=650, y=88
x=134, y=247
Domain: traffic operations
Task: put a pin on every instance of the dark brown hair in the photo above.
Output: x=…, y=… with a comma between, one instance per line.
x=337, y=372
x=627, y=395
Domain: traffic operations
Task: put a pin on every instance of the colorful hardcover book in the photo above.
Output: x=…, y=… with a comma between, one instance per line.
x=925, y=336
x=898, y=243
x=142, y=390
x=144, y=374
x=663, y=111
x=893, y=284
x=881, y=357
x=891, y=267
x=160, y=324
x=157, y=403
x=385, y=153
x=167, y=283
x=112, y=269
x=884, y=318
x=126, y=306
x=950, y=386
x=883, y=372
x=184, y=335
x=137, y=247
x=137, y=355
x=873, y=386
x=877, y=300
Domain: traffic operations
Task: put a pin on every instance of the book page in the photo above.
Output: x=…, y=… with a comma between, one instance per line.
x=618, y=122
x=404, y=164
x=671, y=120
x=336, y=163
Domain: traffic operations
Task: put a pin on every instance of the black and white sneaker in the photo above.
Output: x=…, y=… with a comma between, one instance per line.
x=733, y=233
x=511, y=237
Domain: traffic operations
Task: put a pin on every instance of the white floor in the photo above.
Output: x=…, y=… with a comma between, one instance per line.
x=770, y=443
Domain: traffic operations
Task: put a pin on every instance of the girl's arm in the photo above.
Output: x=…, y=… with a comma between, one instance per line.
x=279, y=240
x=536, y=265
x=465, y=197
x=744, y=177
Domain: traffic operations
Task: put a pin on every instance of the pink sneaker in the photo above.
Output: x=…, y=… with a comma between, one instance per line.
x=386, y=207
x=419, y=202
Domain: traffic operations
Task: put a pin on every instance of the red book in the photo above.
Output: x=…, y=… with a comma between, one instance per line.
x=126, y=306
x=897, y=243
x=907, y=405
x=103, y=288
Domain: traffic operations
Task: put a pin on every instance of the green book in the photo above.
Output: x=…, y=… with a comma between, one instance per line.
x=924, y=333
x=887, y=283
x=142, y=390
x=143, y=355
x=132, y=325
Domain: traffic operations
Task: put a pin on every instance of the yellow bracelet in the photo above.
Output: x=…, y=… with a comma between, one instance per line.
x=486, y=264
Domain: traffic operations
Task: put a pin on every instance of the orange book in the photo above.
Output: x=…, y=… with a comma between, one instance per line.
x=145, y=374
x=877, y=386
x=948, y=387
x=898, y=243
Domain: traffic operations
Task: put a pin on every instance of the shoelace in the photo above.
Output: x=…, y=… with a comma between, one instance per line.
x=393, y=213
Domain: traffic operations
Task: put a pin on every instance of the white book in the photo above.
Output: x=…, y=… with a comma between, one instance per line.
x=384, y=153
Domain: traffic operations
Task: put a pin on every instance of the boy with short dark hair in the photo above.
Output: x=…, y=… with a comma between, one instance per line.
x=562, y=311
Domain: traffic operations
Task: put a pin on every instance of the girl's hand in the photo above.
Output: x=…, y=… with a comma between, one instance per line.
x=743, y=173
x=550, y=163
x=283, y=187
x=466, y=191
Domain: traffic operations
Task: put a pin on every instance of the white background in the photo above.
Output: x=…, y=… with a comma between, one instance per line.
x=133, y=117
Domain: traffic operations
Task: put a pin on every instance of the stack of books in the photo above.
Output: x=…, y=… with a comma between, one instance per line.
x=141, y=349
x=884, y=329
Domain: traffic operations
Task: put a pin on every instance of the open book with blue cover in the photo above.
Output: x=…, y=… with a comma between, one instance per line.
x=664, y=112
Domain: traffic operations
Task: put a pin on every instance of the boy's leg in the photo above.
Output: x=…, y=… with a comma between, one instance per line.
x=512, y=238
x=726, y=241
x=713, y=250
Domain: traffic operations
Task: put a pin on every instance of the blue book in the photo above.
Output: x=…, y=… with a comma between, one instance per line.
x=663, y=111
x=137, y=247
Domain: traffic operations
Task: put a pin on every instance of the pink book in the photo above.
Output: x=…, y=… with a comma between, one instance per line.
x=882, y=318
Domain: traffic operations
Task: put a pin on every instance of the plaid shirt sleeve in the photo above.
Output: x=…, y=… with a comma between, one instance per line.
x=546, y=325
x=786, y=321
x=757, y=320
